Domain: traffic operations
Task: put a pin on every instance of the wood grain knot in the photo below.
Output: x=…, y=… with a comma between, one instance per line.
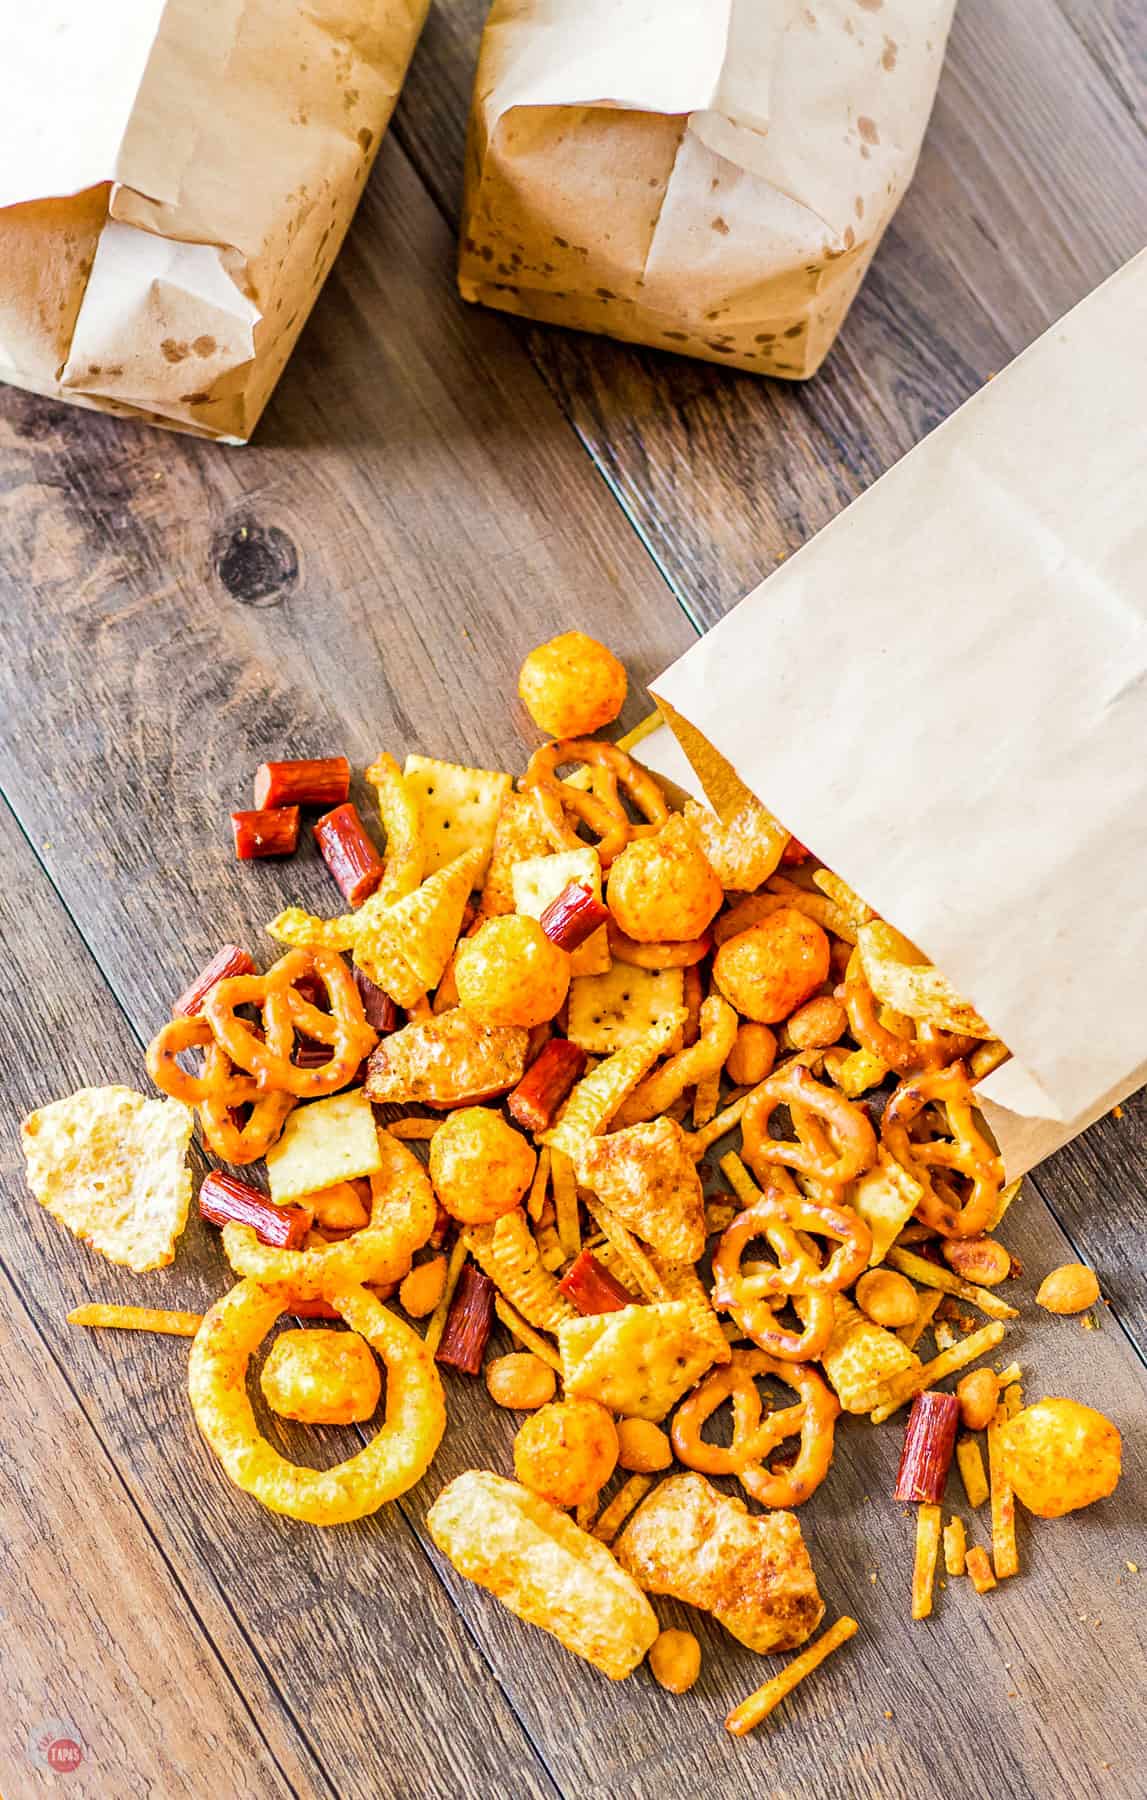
x=257, y=564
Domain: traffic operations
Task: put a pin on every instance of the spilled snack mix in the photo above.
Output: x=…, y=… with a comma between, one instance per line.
x=577, y=1069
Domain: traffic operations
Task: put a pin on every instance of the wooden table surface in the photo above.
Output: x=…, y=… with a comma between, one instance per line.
x=433, y=491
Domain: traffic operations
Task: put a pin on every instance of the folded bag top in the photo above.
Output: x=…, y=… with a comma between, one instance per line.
x=944, y=695
x=706, y=176
x=176, y=177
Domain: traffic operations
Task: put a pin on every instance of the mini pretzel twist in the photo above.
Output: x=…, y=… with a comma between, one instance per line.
x=759, y=1322
x=780, y=1217
x=706, y=1057
x=754, y=1437
x=966, y=1153
x=602, y=811
x=218, y=1093
x=835, y=1141
x=285, y=1010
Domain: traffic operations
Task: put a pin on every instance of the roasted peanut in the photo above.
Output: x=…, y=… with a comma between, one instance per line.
x=1072, y=1288
x=887, y=1297
x=421, y=1290
x=818, y=1023
x=752, y=1057
x=521, y=1382
x=675, y=1660
x=978, y=1259
x=978, y=1394
x=642, y=1446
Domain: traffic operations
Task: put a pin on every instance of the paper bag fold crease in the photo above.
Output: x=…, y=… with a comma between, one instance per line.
x=707, y=176
x=176, y=177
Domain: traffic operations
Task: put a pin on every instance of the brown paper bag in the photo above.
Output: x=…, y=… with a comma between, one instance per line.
x=944, y=695
x=176, y=177
x=706, y=176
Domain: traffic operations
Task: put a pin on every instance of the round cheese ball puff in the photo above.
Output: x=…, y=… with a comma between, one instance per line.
x=509, y=973
x=321, y=1377
x=1060, y=1455
x=772, y=968
x=571, y=686
x=567, y=1451
x=664, y=889
x=480, y=1165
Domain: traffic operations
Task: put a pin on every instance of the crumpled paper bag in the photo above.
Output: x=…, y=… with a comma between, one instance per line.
x=706, y=176
x=944, y=695
x=176, y=177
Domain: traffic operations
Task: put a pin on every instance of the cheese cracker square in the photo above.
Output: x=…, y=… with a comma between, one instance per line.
x=539, y=880
x=459, y=806
x=329, y=1140
x=616, y=1010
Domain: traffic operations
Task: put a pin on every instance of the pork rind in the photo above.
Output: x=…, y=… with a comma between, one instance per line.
x=752, y=1572
x=861, y=1356
x=646, y=1176
x=638, y=1360
x=745, y=848
x=902, y=978
x=544, y=1568
x=112, y=1167
x=508, y=1254
x=447, y=1061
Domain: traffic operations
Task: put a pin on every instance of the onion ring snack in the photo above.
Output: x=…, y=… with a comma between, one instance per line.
x=396, y=1457
x=403, y=1211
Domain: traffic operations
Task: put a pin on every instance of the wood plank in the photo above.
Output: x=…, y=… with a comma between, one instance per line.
x=1097, y=1189
x=1012, y=218
x=348, y=1655
x=436, y=519
x=90, y=1610
x=1115, y=34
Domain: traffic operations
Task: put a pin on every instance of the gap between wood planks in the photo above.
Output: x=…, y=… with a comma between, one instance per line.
x=166, y=1559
